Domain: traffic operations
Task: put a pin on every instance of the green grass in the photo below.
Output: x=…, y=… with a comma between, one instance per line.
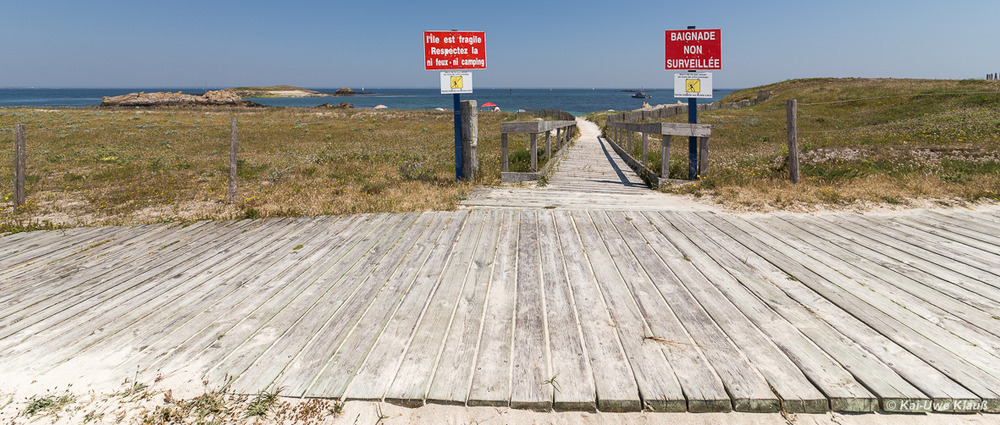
x=47, y=405
x=262, y=403
x=871, y=140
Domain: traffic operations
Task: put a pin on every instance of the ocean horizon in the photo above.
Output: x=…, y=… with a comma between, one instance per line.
x=575, y=101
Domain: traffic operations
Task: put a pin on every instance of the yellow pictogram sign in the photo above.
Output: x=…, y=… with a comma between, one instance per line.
x=456, y=81
x=693, y=86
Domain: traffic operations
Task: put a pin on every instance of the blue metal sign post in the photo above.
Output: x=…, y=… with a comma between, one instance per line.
x=692, y=141
x=458, y=136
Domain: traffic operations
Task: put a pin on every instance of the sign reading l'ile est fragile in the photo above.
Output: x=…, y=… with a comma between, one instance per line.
x=454, y=50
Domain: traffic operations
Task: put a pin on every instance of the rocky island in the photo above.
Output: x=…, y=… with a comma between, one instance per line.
x=278, y=91
x=141, y=99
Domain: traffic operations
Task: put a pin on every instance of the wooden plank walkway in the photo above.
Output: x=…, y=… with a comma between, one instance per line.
x=576, y=309
x=589, y=175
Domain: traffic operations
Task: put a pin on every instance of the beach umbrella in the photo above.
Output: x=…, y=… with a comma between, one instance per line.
x=381, y=107
x=488, y=105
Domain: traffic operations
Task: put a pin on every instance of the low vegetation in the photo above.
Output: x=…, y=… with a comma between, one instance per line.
x=861, y=142
x=149, y=406
x=126, y=166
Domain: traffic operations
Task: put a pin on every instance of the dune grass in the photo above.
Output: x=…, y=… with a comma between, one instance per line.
x=127, y=166
x=862, y=142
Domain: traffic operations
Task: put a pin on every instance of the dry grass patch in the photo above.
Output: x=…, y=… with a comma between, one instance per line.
x=127, y=166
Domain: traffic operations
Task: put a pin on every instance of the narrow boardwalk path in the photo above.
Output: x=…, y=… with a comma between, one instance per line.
x=590, y=175
x=542, y=309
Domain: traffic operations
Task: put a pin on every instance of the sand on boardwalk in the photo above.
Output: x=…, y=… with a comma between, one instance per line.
x=95, y=408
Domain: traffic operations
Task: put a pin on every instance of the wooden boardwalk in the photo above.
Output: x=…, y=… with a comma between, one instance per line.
x=534, y=308
x=590, y=175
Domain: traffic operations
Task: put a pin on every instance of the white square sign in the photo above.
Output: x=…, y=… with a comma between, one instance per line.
x=453, y=82
x=693, y=84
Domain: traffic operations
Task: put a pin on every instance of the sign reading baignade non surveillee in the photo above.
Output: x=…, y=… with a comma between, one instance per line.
x=693, y=49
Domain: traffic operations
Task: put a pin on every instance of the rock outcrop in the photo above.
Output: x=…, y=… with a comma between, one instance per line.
x=345, y=91
x=141, y=99
x=342, y=105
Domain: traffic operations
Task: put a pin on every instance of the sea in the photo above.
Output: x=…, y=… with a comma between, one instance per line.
x=575, y=101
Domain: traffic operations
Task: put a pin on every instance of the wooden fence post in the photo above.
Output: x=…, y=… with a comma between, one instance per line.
x=793, y=139
x=470, y=140
x=548, y=144
x=703, y=156
x=645, y=147
x=20, y=163
x=665, y=158
x=534, y=152
x=504, y=161
x=232, y=160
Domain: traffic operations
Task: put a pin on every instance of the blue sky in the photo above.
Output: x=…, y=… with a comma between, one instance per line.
x=181, y=43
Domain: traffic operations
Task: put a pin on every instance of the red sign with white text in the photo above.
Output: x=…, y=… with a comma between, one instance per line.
x=451, y=50
x=694, y=49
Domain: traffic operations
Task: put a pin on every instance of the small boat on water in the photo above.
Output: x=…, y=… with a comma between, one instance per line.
x=640, y=95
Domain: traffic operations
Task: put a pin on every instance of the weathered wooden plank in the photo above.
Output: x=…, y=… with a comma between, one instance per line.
x=863, y=302
x=309, y=356
x=376, y=374
x=981, y=237
x=896, y=259
x=168, y=328
x=936, y=307
x=448, y=314
x=744, y=382
x=491, y=380
x=533, y=126
x=25, y=278
x=986, y=260
x=867, y=353
x=657, y=367
x=790, y=325
x=614, y=385
x=45, y=313
x=531, y=369
x=572, y=376
x=947, y=362
x=666, y=128
x=157, y=302
x=968, y=266
x=230, y=323
x=46, y=292
x=797, y=392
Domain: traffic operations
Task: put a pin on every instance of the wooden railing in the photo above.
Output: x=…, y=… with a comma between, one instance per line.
x=564, y=131
x=617, y=131
x=680, y=109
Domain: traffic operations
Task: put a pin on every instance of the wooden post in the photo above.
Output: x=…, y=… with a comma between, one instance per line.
x=645, y=147
x=534, y=152
x=470, y=140
x=793, y=139
x=232, y=160
x=505, y=163
x=629, y=141
x=559, y=136
x=703, y=157
x=665, y=158
x=548, y=144
x=20, y=163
